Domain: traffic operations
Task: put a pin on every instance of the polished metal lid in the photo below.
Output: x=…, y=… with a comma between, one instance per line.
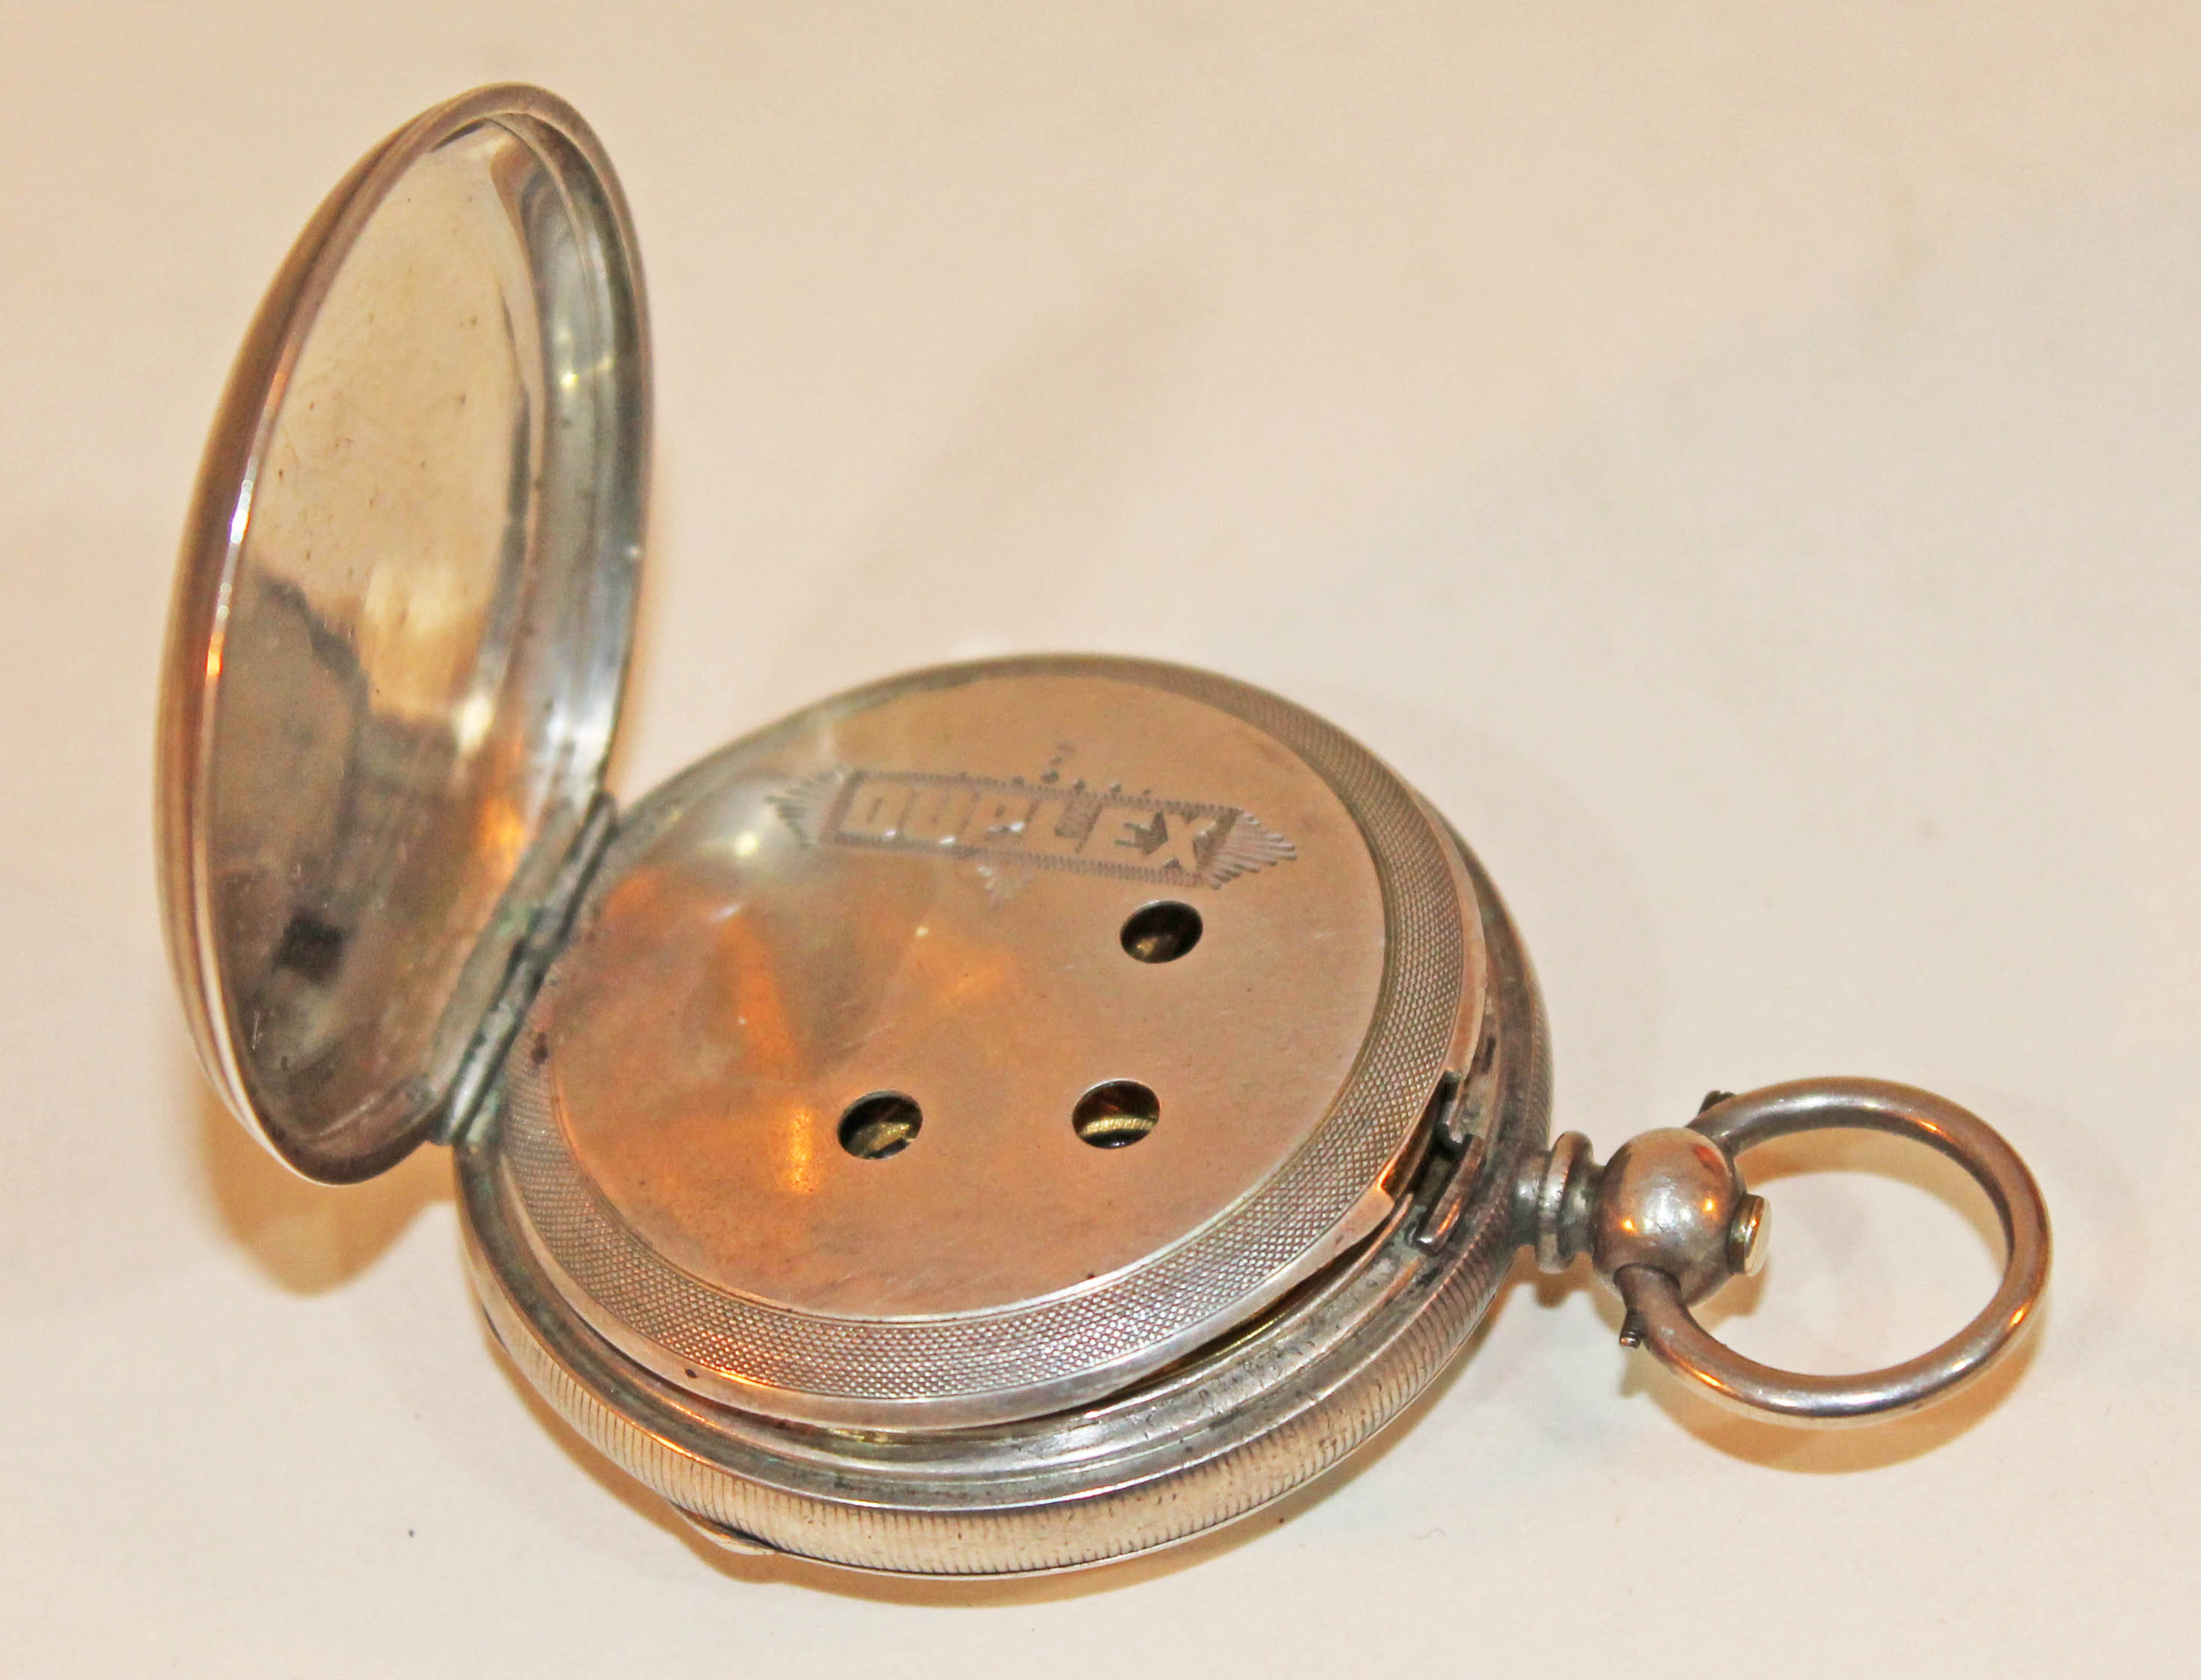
x=969, y=1047
x=401, y=619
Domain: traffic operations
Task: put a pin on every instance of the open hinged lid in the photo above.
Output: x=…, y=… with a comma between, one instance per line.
x=401, y=623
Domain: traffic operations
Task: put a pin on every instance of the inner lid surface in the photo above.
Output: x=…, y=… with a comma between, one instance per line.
x=967, y=1046
x=926, y=899
x=402, y=620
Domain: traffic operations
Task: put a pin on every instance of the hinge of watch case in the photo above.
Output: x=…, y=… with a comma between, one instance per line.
x=547, y=924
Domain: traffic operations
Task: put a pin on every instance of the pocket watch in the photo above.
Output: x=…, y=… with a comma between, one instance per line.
x=1001, y=1118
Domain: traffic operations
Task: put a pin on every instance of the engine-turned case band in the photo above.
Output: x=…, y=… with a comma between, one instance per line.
x=1224, y=1431
x=1073, y=1345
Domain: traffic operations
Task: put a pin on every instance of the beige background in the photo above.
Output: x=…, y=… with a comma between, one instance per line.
x=1738, y=460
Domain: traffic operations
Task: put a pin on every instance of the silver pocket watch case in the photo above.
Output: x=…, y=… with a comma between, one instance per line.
x=1002, y=1118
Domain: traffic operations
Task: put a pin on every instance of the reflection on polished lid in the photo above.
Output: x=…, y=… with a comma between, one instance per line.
x=900, y=1086
x=401, y=622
